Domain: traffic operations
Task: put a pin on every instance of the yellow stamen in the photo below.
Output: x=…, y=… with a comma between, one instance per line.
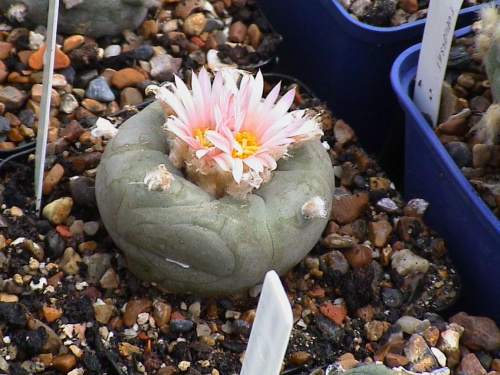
x=248, y=143
x=200, y=137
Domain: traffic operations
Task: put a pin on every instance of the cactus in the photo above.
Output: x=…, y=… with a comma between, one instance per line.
x=487, y=43
x=183, y=239
x=94, y=18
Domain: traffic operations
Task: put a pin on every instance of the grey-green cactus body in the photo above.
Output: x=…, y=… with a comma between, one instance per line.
x=94, y=18
x=182, y=238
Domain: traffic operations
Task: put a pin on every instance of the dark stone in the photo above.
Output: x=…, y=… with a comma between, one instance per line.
x=13, y=314
x=392, y=297
x=234, y=346
x=43, y=226
x=99, y=90
x=30, y=342
x=91, y=362
x=83, y=191
x=459, y=58
x=127, y=59
x=27, y=117
x=460, y=153
x=436, y=320
x=83, y=78
x=329, y=330
x=69, y=73
x=4, y=125
x=241, y=327
x=356, y=288
x=79, y=309
x=54, y=245
x=181, y=325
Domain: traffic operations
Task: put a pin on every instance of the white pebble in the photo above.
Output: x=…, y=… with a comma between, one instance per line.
x=112, y=50
x=142, y=318
x=441, y=358
x=184, y=365
x=42, y=282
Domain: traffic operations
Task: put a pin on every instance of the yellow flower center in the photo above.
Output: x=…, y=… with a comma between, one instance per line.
x=200, y=137
x=248, y=144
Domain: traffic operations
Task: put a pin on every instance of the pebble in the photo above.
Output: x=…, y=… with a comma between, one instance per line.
x=91, y=227
x=82, y=191
x=112, y=50
x=184, y=8
x=163, y=67
x=103, y=313
x=69, y=261
x=346, y=209
x=334, y=260
x=68, y=103
x=237, y=32
x=161, y=313
x=419, y=354
x=358, y=255
x=97, y=265
x=72, y=42
x=329, y=330
x=406, y=262
x=126, y=77
x=98, y=89
x=416, y=207
x=58, y=210
x=71, y=131
x=51, y=314
x=480, y=333
x=61, y=60
x=11, y=97
x=52, y=178
x=333, y=312
x=375, y=329
x=109, y=279
x=344, y=134
x=481, y=155
x=337, y=241
x=460, y=153
x=299, y=358
x=194, y=24
x=94, y=106
x=130, y=96
x=134, y=308
x=4, y=125
x=410, y=325
x=53, y=343
x=392, y=297
x=181, y=325
x=379, y=232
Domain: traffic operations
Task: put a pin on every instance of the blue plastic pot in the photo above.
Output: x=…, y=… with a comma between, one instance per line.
x=468, y=226
x=347, y=63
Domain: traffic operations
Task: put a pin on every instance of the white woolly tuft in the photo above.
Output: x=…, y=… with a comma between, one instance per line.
x=313, y=208
x=158, y=179
x=17, y=12
x=488, y=129
x=104, y=128
x=489, y=30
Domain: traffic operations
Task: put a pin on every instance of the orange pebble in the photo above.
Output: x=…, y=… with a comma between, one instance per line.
x=61, y=60
x=64, y=231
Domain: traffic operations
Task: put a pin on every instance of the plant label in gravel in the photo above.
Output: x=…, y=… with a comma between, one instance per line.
x=436, y=45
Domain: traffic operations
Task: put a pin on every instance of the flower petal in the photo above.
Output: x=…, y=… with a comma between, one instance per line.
x=219, y=141
x=224, y=161
x=254, y=163
x=237, y=170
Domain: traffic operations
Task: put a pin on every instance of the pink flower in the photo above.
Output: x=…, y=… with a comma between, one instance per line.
x=231, y=129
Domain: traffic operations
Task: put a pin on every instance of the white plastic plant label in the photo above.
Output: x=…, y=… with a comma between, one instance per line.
x=43, y=123
x=436, y=43
x=270, y=331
